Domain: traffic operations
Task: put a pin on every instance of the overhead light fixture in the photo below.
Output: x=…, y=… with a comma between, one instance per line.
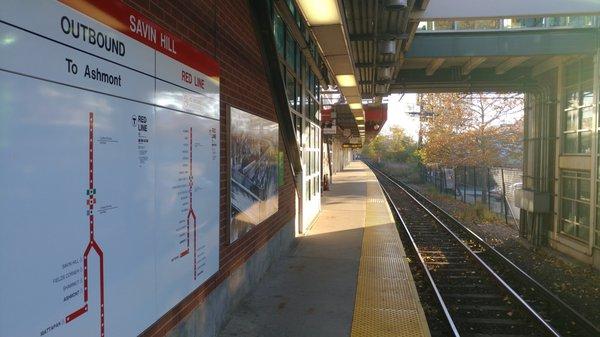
x=355, y=106
x=353, y=99
x=346, y=80
x=320, y=12
x=395, y=5
x=358, y=118
x=387, y=47
x=384, y=73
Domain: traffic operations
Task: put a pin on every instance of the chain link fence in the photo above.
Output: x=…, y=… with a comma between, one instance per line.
x=494, y=187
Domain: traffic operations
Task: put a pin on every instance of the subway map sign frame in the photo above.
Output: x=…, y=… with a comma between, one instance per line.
x=109, y=175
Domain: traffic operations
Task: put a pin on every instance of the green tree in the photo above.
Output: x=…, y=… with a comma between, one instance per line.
x=393, y=147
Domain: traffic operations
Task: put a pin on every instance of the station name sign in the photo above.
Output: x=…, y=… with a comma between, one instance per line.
x=131, y=23
x=352, y=146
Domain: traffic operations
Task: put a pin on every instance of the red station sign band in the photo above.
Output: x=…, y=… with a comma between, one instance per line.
x=121, y=17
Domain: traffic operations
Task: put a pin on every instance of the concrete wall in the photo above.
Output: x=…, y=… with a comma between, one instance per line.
x=207, y=318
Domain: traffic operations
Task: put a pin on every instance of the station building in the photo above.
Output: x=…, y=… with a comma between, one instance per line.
x=286, y=91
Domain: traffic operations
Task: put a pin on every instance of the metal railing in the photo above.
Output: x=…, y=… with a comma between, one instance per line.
x=531, y=23
x=494, y=187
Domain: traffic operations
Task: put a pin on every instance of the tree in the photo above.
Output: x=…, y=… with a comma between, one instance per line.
x=479, y=130
x=493, y=121
x=393, y=147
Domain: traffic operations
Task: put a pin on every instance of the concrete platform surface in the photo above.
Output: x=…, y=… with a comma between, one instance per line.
x=312, y=291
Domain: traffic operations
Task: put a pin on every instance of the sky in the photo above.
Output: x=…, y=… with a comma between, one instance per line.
x=398, y=106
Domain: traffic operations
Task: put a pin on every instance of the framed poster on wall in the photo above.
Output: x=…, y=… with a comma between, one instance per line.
x=253, y=150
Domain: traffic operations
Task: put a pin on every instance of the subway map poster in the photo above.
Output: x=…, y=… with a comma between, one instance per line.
x=109, y=144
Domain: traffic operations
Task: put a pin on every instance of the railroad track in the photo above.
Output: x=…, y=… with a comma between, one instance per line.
x=478, y=290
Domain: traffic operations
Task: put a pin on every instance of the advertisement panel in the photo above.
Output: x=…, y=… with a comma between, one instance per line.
x=254, y=148
x=109, y=144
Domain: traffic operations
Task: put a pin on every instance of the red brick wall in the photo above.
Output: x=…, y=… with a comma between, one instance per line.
x=224, y=30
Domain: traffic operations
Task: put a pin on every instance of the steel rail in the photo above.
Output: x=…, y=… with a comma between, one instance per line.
x=424, y=266
x=584, y=322
x=490, y=270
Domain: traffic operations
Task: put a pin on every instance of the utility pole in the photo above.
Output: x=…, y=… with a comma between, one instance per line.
x=422, y=114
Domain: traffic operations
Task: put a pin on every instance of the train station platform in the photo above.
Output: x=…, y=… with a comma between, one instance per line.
x=348, y=276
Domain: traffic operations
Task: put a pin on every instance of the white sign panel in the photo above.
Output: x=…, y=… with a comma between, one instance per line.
x=187, y=203
x=109, y=199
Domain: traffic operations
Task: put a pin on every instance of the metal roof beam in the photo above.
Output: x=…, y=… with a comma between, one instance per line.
x=434, y=65
x=552, y=62
x=471, y=64
x=510, y=63
x=469, y=9
x=370, y=64
x=451, y=79
x=382, y=36
x=503, y=43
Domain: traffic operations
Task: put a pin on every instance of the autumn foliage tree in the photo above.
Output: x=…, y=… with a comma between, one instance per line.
x=481, y=129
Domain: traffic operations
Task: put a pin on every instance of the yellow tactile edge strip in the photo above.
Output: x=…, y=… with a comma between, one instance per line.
x=387, y=302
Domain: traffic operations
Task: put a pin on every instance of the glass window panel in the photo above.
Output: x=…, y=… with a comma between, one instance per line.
x=586, y=117
x=279, y=32
x=583, y=190
x=567, y=210
x=585, y=142
x=583, y=214
x=571, y=117
x=443, y=25
x=567, y=227
x=290, y=86
x=569, y=188
x=572, y=98
x=570, y=145
x=587, y=96
x=583, y=233
x=290, y=46
x=298, y=62
x=298, y=97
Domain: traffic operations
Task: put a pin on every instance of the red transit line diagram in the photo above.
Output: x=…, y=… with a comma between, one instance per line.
x=191, y=215
x=92, y=244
